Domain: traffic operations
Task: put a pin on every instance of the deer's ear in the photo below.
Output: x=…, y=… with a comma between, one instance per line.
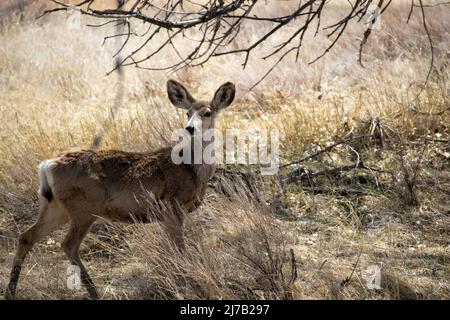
x=224, y=96
x=178, y=95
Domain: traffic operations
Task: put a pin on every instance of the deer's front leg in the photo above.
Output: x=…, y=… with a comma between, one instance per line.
x=173, y=223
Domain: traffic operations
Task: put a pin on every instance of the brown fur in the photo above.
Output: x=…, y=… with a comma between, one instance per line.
x=118, y=181
x=80, y=186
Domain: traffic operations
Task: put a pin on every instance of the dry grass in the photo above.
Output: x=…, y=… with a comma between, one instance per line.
x=54, y=96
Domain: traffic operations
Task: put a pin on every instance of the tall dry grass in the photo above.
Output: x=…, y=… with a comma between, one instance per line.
x=54, y=96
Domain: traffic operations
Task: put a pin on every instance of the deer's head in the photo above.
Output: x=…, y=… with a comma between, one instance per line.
x=201, y=114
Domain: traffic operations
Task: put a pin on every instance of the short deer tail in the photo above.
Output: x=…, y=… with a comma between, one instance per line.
x=44, y=187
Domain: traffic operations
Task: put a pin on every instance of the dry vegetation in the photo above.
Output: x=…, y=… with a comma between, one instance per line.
x=307, y=234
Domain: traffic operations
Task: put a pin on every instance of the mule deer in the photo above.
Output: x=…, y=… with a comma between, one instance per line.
x=78, y=187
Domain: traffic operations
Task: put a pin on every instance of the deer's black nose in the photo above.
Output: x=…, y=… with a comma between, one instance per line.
x=190, y=130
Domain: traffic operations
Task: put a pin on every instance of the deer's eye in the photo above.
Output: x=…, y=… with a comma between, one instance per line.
x=187, y=113
x=207, y=114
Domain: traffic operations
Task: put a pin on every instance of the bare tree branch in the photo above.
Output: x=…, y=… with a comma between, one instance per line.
x=218, y=23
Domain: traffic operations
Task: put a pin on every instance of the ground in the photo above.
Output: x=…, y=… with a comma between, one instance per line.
x=313, y=231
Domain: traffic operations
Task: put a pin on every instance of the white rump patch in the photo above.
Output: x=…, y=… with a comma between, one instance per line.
x=45, y=177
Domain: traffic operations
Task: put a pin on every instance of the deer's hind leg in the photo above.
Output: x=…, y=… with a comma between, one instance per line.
x=79, y=227
x=51, y=216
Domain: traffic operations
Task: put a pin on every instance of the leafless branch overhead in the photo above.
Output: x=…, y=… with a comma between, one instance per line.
x=219, y=22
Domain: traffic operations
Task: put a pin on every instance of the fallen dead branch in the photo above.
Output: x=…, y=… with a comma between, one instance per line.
x=322, y=151
x=337, y=191
x=303, y=174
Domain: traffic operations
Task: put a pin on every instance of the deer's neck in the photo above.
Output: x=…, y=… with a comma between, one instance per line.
x=204, y=170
